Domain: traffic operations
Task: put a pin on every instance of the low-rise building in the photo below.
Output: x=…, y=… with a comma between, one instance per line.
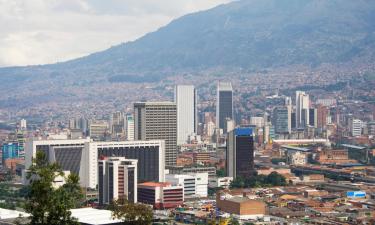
x=161, y=195
x=195, y=185
x=241, y=207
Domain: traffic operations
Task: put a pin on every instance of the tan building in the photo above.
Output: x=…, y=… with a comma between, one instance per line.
x=333, y=156
x=240, y=207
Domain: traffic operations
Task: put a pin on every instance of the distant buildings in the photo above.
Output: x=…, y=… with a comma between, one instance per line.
x=302, y=109
x=158, y=121
x=356, y=127
x=117, y=124
x=282, y=120
x=187, y=121
x=129, y=128
x=117, y=179
x=11, y=150
x=240, y=153
x=224, y=105
x=98, y=130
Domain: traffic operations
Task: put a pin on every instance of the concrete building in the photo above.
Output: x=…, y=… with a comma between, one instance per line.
x=282, y=120
x=302, y=109
x=117, y=124
x=313, y=117
x=356, y=128
x=117, y=178
x=71, y=155
x=296, y=158
x=150, y=156
x=158, y=121
x=257, y=121
x=220, y=182
x=161, y=195
x=129, y=128
x=195, y=185
x=240, y=207
x=240, y=153
x=192, y=170
x=224, y=104
x=81, y=157
x=187, y=120
x=98, y=130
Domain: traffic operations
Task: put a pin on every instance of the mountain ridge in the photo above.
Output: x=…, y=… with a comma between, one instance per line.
x=243, y=35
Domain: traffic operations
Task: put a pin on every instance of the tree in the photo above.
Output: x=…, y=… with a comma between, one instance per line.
x=276, y=179
x=45, y=203
x=131, y=213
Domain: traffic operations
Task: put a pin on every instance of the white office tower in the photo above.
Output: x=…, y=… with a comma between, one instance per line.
x=186, y=100
x=130, y=128
x=224, y=104
x=302, y=109
x=195, y=185
x=157, y=121
x=23, y=124
x=117, y=124
x=81, y=157
x=117, y=178
x=356, y=127
x=71, y=155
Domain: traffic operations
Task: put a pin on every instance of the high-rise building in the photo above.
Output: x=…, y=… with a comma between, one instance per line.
x=157, y=121
x=117, y=178
x=10, y=150
x=356, y=127
x=302, y=109
x=224, y=104
x=282, y=120
x=313, y=117
x=23, y=124
x=130, y=128
x=117, y=124
x=187, y=121
x=240, y=153
x=322, y=116
x=98, y=130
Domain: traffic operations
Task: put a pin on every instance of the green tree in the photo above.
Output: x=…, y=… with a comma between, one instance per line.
x=276, y=179
x=131, y=213
x=45, y=203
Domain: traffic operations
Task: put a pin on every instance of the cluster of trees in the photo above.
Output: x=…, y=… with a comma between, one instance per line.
x=256, y=181
x=50, y=205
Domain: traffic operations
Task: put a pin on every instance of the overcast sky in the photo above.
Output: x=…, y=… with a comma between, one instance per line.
x=48, y=31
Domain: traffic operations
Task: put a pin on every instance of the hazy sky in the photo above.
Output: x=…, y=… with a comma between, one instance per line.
x=47, y=31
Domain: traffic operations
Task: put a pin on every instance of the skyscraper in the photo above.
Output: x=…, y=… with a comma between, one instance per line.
x=302, y=109
x=187, y=121
x=313, y=117
x=130, y=128
x=240, y=153
x=282, y=120
x=157, y=121
x=117, y=125
x=117, y=178
x=224, y=104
